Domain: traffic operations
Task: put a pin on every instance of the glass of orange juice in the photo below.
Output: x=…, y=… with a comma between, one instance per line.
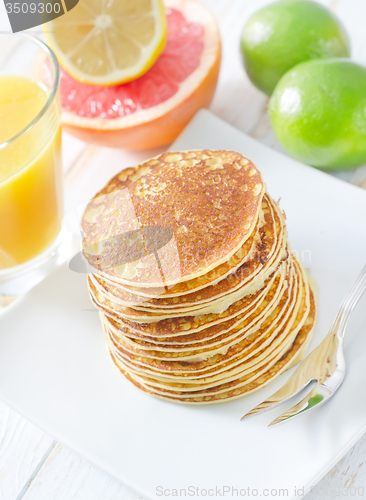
x=31, y=198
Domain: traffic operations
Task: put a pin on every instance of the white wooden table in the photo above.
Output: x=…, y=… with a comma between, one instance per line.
x=35, y=467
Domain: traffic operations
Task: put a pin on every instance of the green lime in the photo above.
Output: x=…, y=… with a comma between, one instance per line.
x=286, y=33
x=318, y=112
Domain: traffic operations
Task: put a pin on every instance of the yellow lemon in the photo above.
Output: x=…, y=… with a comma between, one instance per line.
x=109, y=42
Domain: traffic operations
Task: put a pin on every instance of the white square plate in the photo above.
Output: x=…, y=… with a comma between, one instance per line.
x=55, y=369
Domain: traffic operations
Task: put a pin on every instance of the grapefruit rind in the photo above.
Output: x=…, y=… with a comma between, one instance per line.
x=160, y=124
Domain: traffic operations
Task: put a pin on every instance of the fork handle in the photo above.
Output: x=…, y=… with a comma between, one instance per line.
x=348, y=304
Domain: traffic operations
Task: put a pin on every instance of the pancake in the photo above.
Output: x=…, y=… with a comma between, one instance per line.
x=208, y=201
x=200, y=298
x=268, y=251
x=210, y=345
x=254, y=309
x=248, y=381
x=211, y=323
x=267, y=336
x=295, y=353
x=270, y=212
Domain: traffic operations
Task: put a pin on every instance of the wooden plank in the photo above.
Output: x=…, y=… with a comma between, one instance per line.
x=22, y=447
x=346, y=479
x=352, y=13
x=236, y=100
x=66, y=476
x=72, y=148
x=359, y=177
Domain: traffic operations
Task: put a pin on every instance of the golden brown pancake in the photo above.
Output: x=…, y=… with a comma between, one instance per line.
x=267, y=373
x=248, y=381
x=263, y=257
x=254, y=308
x=200, y=297
x=203, y=344
x=209, y=201
x=178, y=291
x=242, y=348
x=212, y=324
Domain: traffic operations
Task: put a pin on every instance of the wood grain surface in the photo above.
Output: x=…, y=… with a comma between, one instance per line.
x=35, y=467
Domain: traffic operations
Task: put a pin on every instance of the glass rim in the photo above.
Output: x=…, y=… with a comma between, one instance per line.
x=51, y=96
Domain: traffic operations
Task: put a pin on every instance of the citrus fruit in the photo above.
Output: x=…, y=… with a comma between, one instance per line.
x=105, y=43
x=288, y=32
x=152, y=110
x=318, y=112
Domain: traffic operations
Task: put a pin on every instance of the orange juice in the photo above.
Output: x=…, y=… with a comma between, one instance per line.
x=30, y=171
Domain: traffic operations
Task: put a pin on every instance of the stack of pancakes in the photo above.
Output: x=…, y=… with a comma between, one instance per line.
x=200, y=296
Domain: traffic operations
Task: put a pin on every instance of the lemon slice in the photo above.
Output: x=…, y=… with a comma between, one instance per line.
x=109, y=42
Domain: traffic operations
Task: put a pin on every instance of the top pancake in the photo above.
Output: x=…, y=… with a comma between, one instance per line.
x=200, y=206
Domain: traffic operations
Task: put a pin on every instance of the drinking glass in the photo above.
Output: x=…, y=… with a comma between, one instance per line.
x=31, y=194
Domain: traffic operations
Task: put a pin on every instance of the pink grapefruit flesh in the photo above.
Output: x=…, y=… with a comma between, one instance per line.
x=152, y=110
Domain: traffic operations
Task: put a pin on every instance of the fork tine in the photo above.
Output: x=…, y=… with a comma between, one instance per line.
x=262, y=407
x=311, y=400
x=293, y=386
x=301, y=378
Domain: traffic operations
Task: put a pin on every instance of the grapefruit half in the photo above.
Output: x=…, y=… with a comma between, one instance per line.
x=152, y=110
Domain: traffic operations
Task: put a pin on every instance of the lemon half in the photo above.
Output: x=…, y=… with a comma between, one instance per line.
x=107, y=42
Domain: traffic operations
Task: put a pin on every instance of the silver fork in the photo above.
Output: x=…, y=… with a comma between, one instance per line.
x=325, y=365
